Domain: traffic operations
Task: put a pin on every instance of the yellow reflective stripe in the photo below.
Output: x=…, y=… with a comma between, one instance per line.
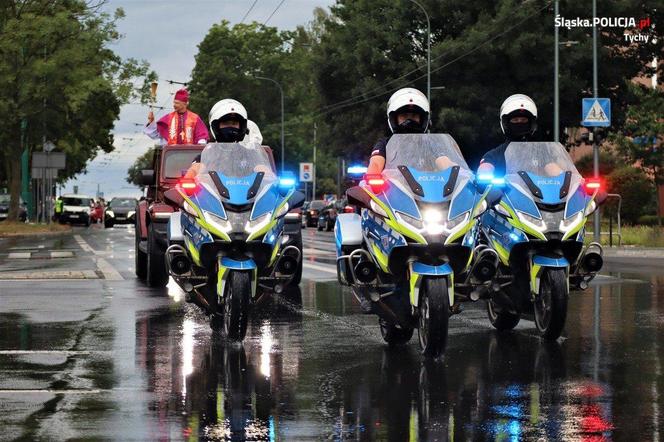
x=503, y=254
x=201, y=219
x=393, y=223
x=582, y=222
x=469, y=225
x=414, y=278
x=275, y=251
x=450, y=288
x=262, y=231
x=534, y=272
x=380, y=256
x=194, y=253
x=221, y=272
x=514, y=220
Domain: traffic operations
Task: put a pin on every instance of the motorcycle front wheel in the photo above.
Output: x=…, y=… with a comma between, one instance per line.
x=551, y=304
x=237, y=302
x=434, y=313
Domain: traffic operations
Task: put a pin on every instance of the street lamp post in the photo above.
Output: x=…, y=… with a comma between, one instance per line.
x=282, y=117
x=428, y=50
x=596, y=219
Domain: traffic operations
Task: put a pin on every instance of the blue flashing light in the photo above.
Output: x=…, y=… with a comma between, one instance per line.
x=287, y=182
x=498, y=181
x=485, y=177
x=356, y=170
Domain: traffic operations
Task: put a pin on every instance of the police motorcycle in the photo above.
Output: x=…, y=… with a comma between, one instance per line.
x=537, y=230
x=407, y=255
x=227, y=244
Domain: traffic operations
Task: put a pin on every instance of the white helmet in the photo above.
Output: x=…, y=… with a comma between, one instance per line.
x=514, y=106
x=226, y=109
x=408, y=100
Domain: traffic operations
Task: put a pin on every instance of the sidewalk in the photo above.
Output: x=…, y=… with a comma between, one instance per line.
x=634, y=252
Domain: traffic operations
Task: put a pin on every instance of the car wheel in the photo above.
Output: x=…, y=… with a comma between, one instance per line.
x=156, y=268
x=140, y=257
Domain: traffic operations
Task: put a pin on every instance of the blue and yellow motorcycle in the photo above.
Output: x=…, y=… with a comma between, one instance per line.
x=227, y=243
x=407, y=255
x=537, y=231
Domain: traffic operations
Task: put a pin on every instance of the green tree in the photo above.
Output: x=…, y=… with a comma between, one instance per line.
x=142, y=162
x=61, y=81
x=641, y=139
x=636, y=190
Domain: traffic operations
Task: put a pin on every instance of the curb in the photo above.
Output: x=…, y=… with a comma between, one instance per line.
x=29, y=235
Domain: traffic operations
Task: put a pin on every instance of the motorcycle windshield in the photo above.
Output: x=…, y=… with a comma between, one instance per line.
x=543, y=159
x=423, y=152
x=235, y=160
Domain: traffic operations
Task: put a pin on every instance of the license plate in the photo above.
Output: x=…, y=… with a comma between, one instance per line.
x=73, y=216
x=121, y=218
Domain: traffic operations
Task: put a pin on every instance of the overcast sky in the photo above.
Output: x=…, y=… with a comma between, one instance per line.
x=166, y=34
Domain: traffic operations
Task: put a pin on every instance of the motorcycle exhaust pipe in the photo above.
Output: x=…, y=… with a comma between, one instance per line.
x=287, y=265
x=365, y=271
x=486, y=265
x=180, y=263
x=592, y=262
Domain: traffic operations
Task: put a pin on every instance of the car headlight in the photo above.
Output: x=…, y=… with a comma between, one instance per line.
x=535, y=223
x=377, y=209
x=110, y=213
x=218, y=222
x=131, y=213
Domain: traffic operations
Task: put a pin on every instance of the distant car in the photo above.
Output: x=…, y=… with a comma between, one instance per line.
x=313, y=211
x=76, y=209
x=120, y=211
x=327, y=217
x=4, y=208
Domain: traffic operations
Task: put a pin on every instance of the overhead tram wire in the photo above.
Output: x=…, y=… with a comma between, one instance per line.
x=274, y=12
x=246, y=14
x=351, y=100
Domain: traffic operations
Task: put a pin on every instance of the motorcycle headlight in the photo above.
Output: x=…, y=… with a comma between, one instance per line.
x=218, y=222
x=433, y=221
x=500, y=209
x=481, y=208
x=189, y=209
x=284, y=210
x=410, y=220
x=376, y=208
x=535, y=223
x=572, y=221
x=257, y=224
x=451, y=224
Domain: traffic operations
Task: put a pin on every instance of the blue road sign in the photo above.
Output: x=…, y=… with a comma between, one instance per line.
x=596, y=112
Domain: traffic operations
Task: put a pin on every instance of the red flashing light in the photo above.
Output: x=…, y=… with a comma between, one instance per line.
x=377, y=182
x=593, y=185
x=188, y=185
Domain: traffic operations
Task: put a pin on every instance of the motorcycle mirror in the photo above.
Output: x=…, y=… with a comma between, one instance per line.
x=174, y=197
x=601, y=197
x=147, y=177
x=296, y=200
x=358, y=197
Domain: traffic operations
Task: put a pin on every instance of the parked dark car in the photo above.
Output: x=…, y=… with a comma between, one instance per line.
x=120, y=211
x=4, y=208
x=327, y=217
x=313, y=211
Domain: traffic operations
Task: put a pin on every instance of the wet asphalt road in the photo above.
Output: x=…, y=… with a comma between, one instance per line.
x=89, y=353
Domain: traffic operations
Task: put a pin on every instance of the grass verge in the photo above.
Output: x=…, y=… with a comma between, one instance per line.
x=643, y=236
x=20, y=229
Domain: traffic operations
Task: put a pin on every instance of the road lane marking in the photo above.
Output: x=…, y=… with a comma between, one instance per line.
x=52, y=391
x=108, y=270
x=61, y=254
x=104, y=266
x=83, y=244
x=20, y=255
x=319, y=268
x=56, y=275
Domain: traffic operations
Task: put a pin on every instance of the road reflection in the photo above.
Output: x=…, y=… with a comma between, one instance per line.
x=290, y=380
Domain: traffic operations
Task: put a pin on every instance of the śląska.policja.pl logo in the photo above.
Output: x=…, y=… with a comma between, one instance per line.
x=634, y=28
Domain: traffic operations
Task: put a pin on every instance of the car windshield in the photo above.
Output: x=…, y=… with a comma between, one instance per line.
x=234, y=160
x=124, y=202
x=547, y=159
x=176, y=162
x=71, y=201
x=424, y=152
x=317, y=205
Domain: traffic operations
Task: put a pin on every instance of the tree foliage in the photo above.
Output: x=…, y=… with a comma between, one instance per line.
x=142, y=162
x=61, y=82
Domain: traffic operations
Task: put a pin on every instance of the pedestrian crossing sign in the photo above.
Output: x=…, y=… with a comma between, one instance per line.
x=596, y=112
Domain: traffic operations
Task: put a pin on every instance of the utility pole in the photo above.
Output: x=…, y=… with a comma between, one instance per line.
x=596, y=218
x=313, y=196
x=428, y=50
x=556, y=66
